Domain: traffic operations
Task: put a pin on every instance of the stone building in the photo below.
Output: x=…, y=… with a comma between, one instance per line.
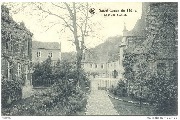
x=161, y=37
x=16, y=44
x=158, y=46
x=42, y=50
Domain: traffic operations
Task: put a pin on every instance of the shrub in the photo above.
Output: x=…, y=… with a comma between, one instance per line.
x=163, y=94
x=119, y=90
x=42, y=75
x=10, y=91
x=69, y=96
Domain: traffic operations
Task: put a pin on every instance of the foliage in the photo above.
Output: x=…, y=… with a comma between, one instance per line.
x=42, y=73
x=71, y=97
x=60, y=99
x=14, y=39
x=120, y=90
x=163, y=94
x=63, y=96
x=128, y=63
x=158, y=89
x=10, y=91
x=67, y=70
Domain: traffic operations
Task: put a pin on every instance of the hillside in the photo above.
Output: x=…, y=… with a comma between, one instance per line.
x=105, y=51
x=68, y=56
x=101, y=53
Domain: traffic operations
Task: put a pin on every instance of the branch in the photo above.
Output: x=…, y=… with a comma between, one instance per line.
x=86, y=19
x=52, y=26
x=50, y=13
x=69, y=9
x=58, y=6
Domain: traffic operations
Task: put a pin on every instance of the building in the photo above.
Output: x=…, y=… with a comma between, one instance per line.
x=16, y=44
x=109, y=69
x=95, y=69
x=42, y=50
x=158, y=36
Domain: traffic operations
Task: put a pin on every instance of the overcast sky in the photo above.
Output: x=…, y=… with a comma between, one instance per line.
x=108, y=27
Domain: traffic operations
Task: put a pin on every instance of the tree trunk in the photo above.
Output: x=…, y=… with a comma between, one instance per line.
x=78, y=65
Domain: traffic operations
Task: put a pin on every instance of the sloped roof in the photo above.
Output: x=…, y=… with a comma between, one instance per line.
x=45, y=45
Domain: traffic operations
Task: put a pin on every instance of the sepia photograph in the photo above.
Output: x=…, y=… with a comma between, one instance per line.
x=89, y=59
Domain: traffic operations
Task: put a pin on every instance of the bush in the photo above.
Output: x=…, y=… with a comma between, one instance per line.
x=70, y=96
x=61, y=98
x=42, y=75
x=56, y=100
x=10, y=91
x=163, y=94
x=68, y=71
x=119, y=90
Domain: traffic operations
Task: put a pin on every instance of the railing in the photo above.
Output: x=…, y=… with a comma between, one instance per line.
x=42, y=83
x=104, y=83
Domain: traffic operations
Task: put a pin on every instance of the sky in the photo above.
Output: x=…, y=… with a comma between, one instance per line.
x=106, y=26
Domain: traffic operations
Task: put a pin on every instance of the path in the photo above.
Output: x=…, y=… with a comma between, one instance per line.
x=99, y=104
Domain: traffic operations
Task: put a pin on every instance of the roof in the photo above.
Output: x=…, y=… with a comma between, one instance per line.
x=45, y=45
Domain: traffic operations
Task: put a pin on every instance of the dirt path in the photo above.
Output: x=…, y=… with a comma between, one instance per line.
x=100, y=104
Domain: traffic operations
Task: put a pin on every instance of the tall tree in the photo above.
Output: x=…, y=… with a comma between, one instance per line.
x=74, y=16
x=77, y=22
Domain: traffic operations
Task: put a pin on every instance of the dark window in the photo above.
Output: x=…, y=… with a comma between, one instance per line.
x=50, y=54
x=95, y=65
x=161, y=68
x=174, y=72
x=102, y=66
x=39, y=54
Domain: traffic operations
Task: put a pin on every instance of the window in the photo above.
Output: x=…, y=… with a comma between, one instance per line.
x=95, y=65
x=26, y=73
x=27, y=49
x=8, y=70
x=91, y=65
x=102, y=66
x=161, y=68
x=39, y=54
x=50, y=54
x=19, y=69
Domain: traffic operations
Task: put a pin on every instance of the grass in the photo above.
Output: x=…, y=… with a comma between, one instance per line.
x=125, y=108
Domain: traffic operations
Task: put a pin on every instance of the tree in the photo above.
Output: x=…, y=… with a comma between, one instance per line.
x=74, y=16
x=43, y=73
x=78, y=25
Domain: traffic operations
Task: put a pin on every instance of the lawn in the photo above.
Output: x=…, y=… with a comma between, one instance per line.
x=125, y=108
